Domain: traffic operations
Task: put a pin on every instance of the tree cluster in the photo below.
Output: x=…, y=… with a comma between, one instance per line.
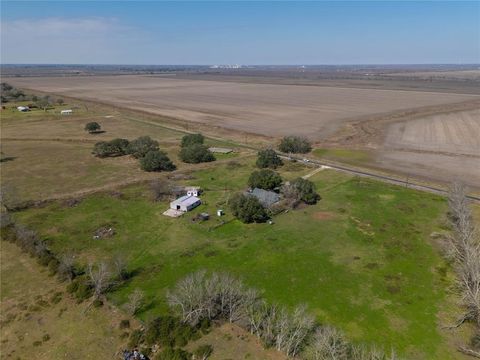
x=115, y=147
x=144, y=148
x=464, y=250
x=196, y=153
x=10, y=93
x=191, y=139
x=295, y=144
x=220, y=296
x=300, y=190
x=247, y=209
x=264, y=179
x=268, y=158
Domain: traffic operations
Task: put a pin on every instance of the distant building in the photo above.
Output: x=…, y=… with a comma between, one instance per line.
x=23, y=108
x=220, y=150
x=66, y=112
x=185, y=203
x=193, y=190
x=266, y=198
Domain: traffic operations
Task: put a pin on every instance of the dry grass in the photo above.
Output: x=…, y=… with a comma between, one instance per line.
x=33, y=324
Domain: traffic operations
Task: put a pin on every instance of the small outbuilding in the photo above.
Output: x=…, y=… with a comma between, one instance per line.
x=193, y=190
x=66, y=112
x=185, y=203
x=266, y=198
x=23, y=108
x=220, y=150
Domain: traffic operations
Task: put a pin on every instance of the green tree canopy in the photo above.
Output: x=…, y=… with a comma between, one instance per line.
x=295, y=144
x=301, y=190
x=92, y=127
x=264, y=179
x=156, y=160
x=196, y=153
x=247, y=209
x=138, y=148
x=191, y=139
x=268, y=159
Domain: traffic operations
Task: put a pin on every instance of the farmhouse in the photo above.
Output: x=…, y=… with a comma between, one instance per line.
x=66, y=112
x=266, y=198
x=185, y=203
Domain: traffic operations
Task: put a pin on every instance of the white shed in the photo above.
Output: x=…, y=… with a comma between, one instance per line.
x=66, y=112
x=185, y=203
x=23, y=108
x=193, y=190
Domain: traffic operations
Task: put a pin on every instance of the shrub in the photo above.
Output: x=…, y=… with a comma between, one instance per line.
x=56, y=298
x=92, y=127
x=124, y=324
x=53, y=266
x=192, y=139
x=116, y=147
x=97, y=303
x=268, y=159
x=138, y=148
x=203, y=351
x=173, y=354
x=156, y=160
x=80, y=289
x=168, y=331
x=136, y=338
x=247, y=209
x=196, y=153
x=295, y=144
x=264, y=179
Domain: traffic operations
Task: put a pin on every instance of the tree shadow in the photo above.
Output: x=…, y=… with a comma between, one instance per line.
x=7, y=158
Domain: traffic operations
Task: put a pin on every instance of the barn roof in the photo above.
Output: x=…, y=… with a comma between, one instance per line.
x=185, y=200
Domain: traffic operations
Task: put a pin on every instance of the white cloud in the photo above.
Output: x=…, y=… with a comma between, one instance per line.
x=68, y=40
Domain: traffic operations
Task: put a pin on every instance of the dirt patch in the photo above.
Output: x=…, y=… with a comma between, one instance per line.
x=323, y=215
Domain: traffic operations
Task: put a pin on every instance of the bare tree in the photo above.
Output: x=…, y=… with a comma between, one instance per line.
x=135, y=302
x=66, y=267
x=120, y=271
x=100, y=278
x=327, y=343
x=161, y=189
x=26, y=238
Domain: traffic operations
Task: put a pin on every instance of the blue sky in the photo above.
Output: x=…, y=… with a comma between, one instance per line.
x=339, y=32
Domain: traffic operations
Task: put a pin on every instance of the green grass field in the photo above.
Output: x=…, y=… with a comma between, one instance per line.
x=361, y=259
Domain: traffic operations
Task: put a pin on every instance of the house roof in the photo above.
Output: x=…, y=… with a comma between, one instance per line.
x=185, y=200
x=265, y=197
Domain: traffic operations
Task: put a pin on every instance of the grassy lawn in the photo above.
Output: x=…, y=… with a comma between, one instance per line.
x=361, y=258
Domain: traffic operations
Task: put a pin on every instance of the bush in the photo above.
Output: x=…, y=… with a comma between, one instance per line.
x=138, y=148
x=156, y=160
x=53, y=266
x=80, y=289
x=168, y=331
x=192, y=139
x=268, y=159
x=301, y=190
x=173, y=354
x=295, y=144
x=136, y=338
x=203, y=351
x=124, y=324
x=247, y=209
x=264, y=179
x=196, y=153
x=97, y=303
x=92, y=127
x=116, y=147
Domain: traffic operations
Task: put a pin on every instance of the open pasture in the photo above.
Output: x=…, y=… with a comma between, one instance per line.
x=272, y=110
x=362, y=258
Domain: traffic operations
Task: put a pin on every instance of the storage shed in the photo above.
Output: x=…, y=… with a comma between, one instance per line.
x=185, y=203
